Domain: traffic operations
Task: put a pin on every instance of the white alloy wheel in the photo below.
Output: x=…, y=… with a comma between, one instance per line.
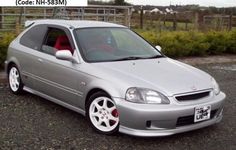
x=14, y=79
x=103, y=114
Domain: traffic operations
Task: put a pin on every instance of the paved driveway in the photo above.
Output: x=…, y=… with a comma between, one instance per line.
x=30, y=122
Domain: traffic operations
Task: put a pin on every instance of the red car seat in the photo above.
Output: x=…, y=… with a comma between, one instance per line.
x=62, y=43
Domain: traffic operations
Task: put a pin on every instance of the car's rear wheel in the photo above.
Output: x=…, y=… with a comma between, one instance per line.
x=15, y=83
x=102, y=113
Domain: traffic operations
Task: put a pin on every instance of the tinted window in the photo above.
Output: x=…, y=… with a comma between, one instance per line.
x=33, y=38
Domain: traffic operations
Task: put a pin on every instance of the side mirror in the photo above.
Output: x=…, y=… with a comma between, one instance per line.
x=158, y=48
x=65, y=55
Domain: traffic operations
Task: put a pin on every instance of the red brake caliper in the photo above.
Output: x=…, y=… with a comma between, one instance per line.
x=115, y=114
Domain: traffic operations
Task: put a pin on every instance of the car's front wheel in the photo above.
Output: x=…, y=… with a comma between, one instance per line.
x=102, y=113
x=14, y=80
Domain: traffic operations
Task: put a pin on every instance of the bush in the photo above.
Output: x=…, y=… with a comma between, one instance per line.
x=4, y=43
x=193, y=43
x=232, y=43
x=218, y=42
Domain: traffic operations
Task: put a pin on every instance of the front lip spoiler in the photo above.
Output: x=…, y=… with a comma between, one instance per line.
x=168, y=132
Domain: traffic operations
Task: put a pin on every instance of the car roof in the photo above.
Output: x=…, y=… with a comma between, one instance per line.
x=73, y=23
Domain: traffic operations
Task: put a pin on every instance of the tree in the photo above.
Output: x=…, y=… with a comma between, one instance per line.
x=120, y=2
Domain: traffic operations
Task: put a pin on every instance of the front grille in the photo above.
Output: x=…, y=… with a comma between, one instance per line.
x=193, y=96
x=189, y=120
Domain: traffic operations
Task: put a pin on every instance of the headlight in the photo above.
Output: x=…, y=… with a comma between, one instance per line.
x=215, y=86
x=145, y=96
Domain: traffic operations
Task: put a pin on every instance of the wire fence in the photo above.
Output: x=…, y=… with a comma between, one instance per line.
x=219, y=22
x=186, y=20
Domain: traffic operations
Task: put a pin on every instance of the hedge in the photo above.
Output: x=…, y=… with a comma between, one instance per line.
x=193, y=43
x=4, y=43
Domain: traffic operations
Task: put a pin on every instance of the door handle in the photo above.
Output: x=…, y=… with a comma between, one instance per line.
x=40, y=60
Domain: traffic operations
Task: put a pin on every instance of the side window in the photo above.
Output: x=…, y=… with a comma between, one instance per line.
x=56, y=39
x=33, y=38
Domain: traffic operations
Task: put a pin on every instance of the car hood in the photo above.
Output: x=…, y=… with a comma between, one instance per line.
x=164, y=75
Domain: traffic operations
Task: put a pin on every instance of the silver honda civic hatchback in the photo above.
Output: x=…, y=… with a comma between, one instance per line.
x=112, y=76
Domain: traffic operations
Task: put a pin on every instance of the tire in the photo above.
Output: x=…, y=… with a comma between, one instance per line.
x=14, y=80
x=102, y=113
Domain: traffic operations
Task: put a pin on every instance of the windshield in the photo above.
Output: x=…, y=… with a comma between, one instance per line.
x=113, y=44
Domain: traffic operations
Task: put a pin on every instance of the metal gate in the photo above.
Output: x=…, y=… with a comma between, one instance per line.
x=12, y=19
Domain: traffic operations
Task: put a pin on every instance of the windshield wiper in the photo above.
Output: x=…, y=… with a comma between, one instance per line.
x=136, y=57
x=151, y=57
x=129, y=58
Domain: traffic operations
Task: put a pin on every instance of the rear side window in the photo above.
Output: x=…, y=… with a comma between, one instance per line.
x=33, y=38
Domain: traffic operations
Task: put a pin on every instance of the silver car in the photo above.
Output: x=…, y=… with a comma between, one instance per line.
x=112, y=76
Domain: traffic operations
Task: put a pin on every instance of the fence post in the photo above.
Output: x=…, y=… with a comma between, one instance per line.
x=126, y=15
x=164, y=22
x=18, y=22
x=1, y=18
x=159, y=23
x=17, y=27
x=44, y=13
x=114, y=16
x=104, y=15
x=174, y=22
x=54, y=11
x=196, y=25
x=141, y=17
x=230, y=22
x=129, y=17
x=20, y=17
x=186, y=25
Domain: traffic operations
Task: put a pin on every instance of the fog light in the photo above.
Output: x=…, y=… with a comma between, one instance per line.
x=148, y=124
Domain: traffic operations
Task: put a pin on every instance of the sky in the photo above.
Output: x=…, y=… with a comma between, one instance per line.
x=216, y=3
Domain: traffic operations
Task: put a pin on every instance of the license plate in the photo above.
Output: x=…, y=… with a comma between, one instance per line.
x=202, y=113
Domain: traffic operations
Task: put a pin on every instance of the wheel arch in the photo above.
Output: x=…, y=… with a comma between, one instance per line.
x=112, y=90
x=12, y=61
x=92, y=91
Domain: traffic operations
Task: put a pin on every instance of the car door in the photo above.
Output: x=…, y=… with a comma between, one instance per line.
x=58, y=78
x=27, y=50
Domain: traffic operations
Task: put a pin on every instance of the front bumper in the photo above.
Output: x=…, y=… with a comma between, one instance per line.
x=163, y=120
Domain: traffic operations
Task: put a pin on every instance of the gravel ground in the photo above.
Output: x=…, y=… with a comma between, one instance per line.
x=209, y=59
x=30, y=122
